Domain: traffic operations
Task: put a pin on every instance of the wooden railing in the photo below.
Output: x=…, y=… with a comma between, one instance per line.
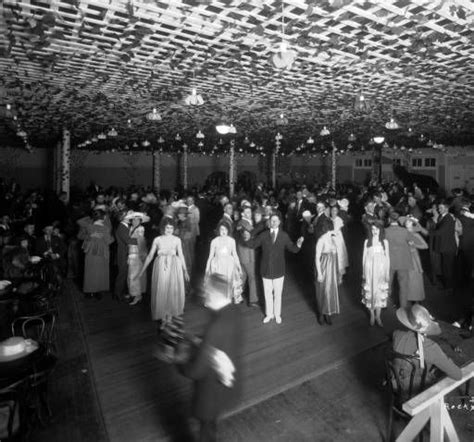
x=429, y=406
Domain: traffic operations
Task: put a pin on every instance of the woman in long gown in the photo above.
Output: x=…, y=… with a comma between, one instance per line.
x=97, y=238
x=416, y=287
x=169, y=274
x=328, y=275
x=342, y=256
x=376, y=272
x=223, y=260
x=136, y=256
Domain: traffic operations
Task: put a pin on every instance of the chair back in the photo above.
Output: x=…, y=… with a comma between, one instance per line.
x=30, y=327
x=404, y=377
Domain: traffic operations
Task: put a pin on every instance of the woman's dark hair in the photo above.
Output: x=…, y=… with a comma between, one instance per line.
x=379, y=224
x=98, y=214
x=166, y=221
x=222, y=224
x=327, y=225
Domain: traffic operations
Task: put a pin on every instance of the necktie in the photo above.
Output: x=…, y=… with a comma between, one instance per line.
x=274, y=236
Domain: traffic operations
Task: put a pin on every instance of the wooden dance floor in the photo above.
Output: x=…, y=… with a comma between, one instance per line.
x=144, y=399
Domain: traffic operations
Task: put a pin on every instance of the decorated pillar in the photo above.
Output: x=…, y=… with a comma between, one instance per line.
x=65, y=162
x=333, y=165
x=156, y=171
x=232, y=168
x=274, y=163
x=185, y=166
x=57, y=167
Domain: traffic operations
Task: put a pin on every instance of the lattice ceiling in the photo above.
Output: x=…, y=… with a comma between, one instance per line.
x=92, y=65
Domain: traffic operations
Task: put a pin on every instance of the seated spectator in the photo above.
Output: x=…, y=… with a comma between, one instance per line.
x=415, y=342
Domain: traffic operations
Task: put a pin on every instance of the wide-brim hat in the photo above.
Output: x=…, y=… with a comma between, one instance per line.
x=307, y=214
x=343, y=203
x=131, y=215
x=16, y=348
x=418, y=319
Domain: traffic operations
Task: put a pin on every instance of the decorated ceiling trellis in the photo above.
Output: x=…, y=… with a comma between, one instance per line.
x=94, y=65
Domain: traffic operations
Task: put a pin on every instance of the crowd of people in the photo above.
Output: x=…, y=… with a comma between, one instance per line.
x=388, y=231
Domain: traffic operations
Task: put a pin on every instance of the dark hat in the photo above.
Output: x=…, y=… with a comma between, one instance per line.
x=394, y=215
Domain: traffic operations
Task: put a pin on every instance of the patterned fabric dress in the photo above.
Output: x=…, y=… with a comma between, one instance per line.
x=167, y=283
x=224, y=261
x=342, y=256
x=327, y=291
x=376, y=268
x=416, y=286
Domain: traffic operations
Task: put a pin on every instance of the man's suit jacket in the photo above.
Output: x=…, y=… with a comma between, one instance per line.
x=400, y=255
x=57, y=246
x=272, y=262
x=246, y=253
x=194, y=218
x=122, y=236
x=210, y=397
x=301, y=207
x=444, y=238
x=466, y=241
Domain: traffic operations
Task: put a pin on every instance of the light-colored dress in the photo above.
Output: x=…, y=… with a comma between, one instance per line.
x=167, y=282
x=416, y=286
x=223, y=260
x=97, y=238
x=326, y=262
x=376, y=273
x=136, y=258
x=342, y=256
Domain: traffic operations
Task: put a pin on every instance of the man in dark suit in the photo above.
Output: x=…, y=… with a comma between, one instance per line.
x=215, y=367
x=445, y=243
x=247, y=255
x=227, y=218
x=122, y=236
x=273, y=242
x=50, y=245
x=320, y=220
x=401, y=262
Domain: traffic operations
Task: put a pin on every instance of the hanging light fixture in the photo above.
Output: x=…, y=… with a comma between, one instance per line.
x=177, y=137
x=161, y=140
x=112, y=133
x=361, y=103
x=200, y=135
x=194, y=99
x=145, y=143
x=278, y=136
x=351, y=138
x=310, y=140
x=154, y=115
x=200, y=144
x=102, y=136
x=285, y=57
x=324, y=132
x=282, y=120
x=391, y=125
x=378, y=139
x=252, y=144
x=135, y=145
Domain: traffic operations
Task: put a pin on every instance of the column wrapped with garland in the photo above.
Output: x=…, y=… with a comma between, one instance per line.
x=232, y=168
x=157, y=171
x=185, y=166
x=333, y=165
x=65, y=162
x=57, y=159
x=274, y=159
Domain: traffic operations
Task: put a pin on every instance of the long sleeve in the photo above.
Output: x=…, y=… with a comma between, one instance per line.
x=289, y=244
x=123, y=236
x=435, y=355
x=419, y=242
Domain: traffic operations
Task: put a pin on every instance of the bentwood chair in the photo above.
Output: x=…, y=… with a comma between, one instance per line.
x=401, y=371
x=13, y=422
x=40, y=327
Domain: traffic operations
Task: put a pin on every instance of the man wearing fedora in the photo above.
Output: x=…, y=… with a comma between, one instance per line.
x=215, y=366
x=400, y=256
x=416, y=342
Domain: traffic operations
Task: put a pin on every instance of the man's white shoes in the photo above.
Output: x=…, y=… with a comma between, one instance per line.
x=267, y=319
x=278, y=319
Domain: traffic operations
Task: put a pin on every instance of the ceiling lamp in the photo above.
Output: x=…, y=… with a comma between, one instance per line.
x=21, y=133
x=129, y=123
x=194, y=99
x=145, y=143
x=324, y=132
x=94, y=139
x=430, y=143
x=360, y=103
x=252, y=144
x=223, y=129
x=351, y=138
x=177, y=137
x=284, y=58
x=422, y=138
x=135, y=145
x=392, y=124
x=410, y=132
x=246, y=140
x=200, y=135
x=112, y=133
x=154, y=115
x=232, y=129
x=385, y=145
x=379, y=139
x=9, y=107
x=278, y=136
x=161, y=140
x=200, y=144
x=310, y=141
x=282, y=120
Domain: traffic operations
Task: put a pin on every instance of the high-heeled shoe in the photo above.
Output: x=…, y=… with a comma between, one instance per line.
x=135, y=300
